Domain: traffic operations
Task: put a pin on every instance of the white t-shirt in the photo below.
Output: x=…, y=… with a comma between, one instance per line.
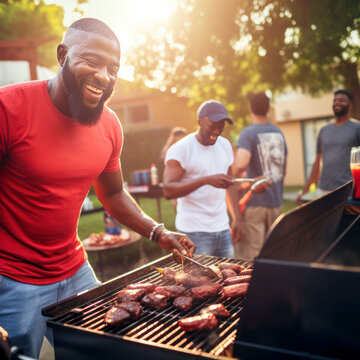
x=205, y=208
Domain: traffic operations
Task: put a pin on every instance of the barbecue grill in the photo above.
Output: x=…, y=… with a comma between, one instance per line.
x=299, y=305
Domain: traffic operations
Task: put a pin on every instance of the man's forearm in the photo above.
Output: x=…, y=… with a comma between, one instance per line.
x=176, y=189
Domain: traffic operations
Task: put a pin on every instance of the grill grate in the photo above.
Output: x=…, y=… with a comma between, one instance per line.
x=160, y=327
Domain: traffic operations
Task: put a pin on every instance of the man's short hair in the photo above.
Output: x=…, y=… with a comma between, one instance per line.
x=344, y=92
x=259, y=103
x=94, y=26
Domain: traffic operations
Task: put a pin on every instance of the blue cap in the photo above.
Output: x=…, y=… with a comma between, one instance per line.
x=214, y=110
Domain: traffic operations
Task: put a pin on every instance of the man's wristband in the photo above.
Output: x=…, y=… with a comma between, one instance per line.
x=153, y=231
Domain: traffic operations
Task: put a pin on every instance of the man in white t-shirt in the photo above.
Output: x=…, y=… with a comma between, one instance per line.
x=198, y=173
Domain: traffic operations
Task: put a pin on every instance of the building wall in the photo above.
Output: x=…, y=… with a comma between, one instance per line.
x=295, y=160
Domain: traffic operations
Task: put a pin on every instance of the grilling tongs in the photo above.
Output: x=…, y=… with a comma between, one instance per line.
x=211, y=270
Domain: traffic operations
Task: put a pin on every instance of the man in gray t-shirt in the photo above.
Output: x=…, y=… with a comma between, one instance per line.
x=333, y=147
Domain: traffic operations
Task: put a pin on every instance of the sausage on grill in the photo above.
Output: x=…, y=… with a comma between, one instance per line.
x=236, y=290
x=170, y=291
x=154, y=300
x=199, y=322
x=219, y=310
x=237, y=268
x=237, y=280
x=183, y=303
x=246, y=272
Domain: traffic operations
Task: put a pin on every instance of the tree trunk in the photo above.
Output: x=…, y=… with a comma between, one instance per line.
x=353, y=86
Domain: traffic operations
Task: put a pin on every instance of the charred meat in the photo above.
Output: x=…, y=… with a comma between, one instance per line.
x=132, y=307
x=237, y=280
x=218, y=310
x=170, y=291
x=228, y=273
x=236, y=290
x=130, y=295
x=247, y=272
x=153, y=300
x=199, y=322
x=183, y=303
x=147, y=286
x=204, y=291
x=190, y=280
x=234, y=267
x=116, y=316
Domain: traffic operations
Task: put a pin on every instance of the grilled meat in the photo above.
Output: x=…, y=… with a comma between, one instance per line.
x=116, y=316
x=199, y=322
x=190, y=280
x=183, y=303
x=147, y=286
x=228, y=273
x=236, y=290
x=170, y=291
x=130, y=295
x=235, y=267
x=218, y=310
x=154, y=300
x=247, y=272
x=204, y=291
x=132, y=307
x=237, y=280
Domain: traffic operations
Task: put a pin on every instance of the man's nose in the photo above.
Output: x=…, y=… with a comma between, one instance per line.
x=102, y=75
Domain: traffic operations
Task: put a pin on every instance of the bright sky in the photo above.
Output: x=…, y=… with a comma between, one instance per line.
x=123, y=16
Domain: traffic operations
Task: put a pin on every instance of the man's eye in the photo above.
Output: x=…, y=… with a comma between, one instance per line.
x=92, y=62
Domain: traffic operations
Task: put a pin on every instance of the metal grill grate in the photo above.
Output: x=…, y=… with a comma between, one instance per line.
x=160, y=327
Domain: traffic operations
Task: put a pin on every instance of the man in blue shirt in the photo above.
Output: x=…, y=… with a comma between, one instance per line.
x=261, y=151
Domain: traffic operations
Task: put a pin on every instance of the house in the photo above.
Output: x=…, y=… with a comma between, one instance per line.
x=139, y=108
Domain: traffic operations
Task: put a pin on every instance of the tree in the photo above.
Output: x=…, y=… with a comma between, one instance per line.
x=28, y=19
x=227, y=49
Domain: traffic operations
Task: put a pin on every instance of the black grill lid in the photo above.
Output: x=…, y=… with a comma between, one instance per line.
x=305, y=233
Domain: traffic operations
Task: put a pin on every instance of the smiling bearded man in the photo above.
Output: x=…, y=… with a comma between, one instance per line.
x=57, y=138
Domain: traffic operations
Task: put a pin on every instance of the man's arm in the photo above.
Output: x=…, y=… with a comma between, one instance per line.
x=120, y=204
x=313, y=178
x=175, y=188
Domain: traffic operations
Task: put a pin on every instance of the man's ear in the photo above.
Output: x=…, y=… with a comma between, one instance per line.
x=61, y=54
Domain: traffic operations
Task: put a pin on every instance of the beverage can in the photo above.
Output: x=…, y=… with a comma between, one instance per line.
x=111, y=225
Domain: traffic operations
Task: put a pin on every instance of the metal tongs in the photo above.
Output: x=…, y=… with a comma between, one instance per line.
x=243, y=180
x=210, y=270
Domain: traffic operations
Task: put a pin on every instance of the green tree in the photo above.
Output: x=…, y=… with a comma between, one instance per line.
x=227, y=49
x=29, y=19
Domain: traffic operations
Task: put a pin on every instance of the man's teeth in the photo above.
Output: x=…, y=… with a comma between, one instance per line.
x=94, y=89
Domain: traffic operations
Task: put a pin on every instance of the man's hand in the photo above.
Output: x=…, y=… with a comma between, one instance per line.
x=175, y=243
x=235, y=231
x=220, y=181
x=263, y=186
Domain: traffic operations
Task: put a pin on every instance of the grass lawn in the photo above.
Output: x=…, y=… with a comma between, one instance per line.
x=124, y=259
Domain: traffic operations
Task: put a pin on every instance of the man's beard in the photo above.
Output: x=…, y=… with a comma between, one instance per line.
x=83, y=114
x=343, y=111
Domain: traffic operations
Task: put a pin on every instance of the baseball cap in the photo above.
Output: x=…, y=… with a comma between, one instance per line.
x=214, y=110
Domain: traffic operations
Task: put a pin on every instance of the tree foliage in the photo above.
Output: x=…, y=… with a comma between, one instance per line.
x=29, y=19
x=227, y=49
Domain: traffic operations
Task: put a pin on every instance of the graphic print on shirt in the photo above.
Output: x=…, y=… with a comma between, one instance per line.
x=271, y=150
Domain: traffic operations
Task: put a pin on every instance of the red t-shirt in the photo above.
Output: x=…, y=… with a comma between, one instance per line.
x=48, y=162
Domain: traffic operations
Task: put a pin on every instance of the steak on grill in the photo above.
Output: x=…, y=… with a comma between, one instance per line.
x=132, y=307
x=183, y=303
x=170, y=291
x=154, y=300
x=198, y=322
x=236, y=290
x=237, y=280
x=130, y=295
x=219, y=310
x=116, y=316
x=147, y=286
x=204, y=291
